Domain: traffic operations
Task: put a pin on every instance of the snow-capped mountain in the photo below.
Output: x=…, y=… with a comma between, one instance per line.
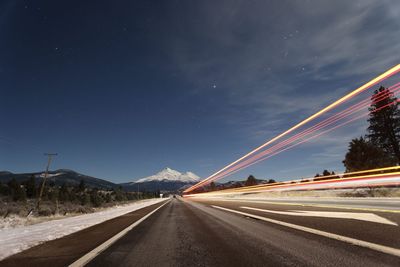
x=167, y=180
x=168, y=174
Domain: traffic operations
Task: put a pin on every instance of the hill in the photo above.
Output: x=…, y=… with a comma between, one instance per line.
x=60, y=177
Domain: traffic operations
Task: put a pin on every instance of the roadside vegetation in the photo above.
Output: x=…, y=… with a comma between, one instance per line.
x=21, y=198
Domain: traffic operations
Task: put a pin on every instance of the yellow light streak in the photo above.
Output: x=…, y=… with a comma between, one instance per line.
x=328, y=176
x=259, y=188
x=360, y=89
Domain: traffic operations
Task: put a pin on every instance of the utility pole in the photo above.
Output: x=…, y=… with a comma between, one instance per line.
x=49, y=155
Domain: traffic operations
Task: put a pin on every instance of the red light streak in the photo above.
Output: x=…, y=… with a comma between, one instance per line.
x=374, y=180
x=354, y=108
x=362, y=88
x=274, y=149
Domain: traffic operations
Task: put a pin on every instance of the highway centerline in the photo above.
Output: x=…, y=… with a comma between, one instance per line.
x=353, y=241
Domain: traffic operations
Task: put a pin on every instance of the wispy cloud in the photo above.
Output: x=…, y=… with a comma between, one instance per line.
x=261, y=54
x=277, y=63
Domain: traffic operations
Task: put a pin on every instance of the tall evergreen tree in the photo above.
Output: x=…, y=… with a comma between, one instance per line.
x=63, y=194
x=251, y=180
x=4, y=190
x=326, y=173
x=384, y=120
x=31, y=187
x=81, y=186
x=17, y=192
x=212, y=186
x=363, y=155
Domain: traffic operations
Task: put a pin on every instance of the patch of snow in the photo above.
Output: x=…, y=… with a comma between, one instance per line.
x=17, y=239
x=50, y=174
x=169, y=174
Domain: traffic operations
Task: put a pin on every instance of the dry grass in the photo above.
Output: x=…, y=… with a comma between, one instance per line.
x=48, y=208
x=14, y=214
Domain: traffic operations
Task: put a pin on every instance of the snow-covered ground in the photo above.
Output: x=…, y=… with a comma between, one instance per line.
x=14, y=240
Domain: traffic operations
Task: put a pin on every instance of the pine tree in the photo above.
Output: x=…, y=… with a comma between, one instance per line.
x=4, y=190
x=96, y=199
x=363, y=155
x=81, y=186
x=384, y=120
x=16, y=190
x=63, y=195
x=31, y=187
x=212, y=186
x=251, y=180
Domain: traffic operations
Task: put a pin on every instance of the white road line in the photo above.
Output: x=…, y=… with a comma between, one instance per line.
x=329, y=206
x=373, y=246
x=96, y=251
x=369, y=217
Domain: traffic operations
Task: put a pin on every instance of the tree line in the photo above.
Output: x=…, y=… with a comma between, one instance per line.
x=79, y=194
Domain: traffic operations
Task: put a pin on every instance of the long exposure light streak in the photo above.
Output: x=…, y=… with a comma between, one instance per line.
x=326, y=177
x=322, y=124
x=274, y=150
x=371, y=180
x=360, y=181
x=259, y=156
x=306, y=140
x=355, y=92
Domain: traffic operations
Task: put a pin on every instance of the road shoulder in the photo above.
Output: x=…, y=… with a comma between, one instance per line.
x=66, y=250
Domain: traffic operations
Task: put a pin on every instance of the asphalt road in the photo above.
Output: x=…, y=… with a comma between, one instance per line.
x=212, y=233
x=194, y=233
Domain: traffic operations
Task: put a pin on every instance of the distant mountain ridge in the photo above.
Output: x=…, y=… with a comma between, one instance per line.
x=60, y=177
x=167, y=180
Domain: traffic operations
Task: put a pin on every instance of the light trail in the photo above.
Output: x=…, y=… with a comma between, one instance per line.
x=327, y=177
x=324, y=178
x=275, y=149
x=374, y=180
x=294, y=145
x=353, y=182
x=303, y=141
x=251, y=160
x=312, y=129
x=360, y=89
x=307, y=131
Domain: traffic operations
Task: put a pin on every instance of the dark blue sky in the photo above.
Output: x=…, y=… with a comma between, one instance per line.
x=121, y=89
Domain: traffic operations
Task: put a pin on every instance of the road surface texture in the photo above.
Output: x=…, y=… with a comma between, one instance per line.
x=199, y=232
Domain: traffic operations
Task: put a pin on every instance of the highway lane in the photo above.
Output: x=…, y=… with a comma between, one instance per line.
x=198, y=233
x=353, y=203
x=378, y=227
